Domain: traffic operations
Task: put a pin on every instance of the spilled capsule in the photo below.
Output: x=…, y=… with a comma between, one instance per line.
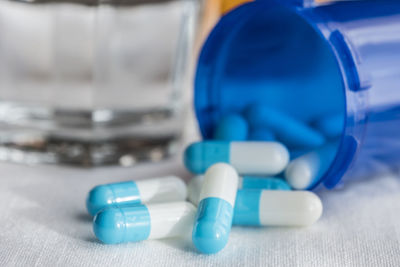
x=135, y=223
x=170, y=188
x=251, y=158
x=215, y=211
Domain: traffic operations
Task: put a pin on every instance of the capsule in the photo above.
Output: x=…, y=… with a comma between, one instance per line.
x=251, y=158
x=305, y=171
x=141, y=222
x=248, y=182
x=164, y=189
x=261, y=134
x=276, y=208
x=215, y=211
x=232, y=127
x=290, y=131
x=331, y=126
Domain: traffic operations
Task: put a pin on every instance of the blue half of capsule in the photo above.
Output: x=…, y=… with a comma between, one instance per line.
x=119, y=225
x=247, y=206
x=212, y=225
x=108, y=195
x=267, y=183
x=201, y=155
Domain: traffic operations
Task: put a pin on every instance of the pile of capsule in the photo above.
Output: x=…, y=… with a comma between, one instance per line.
x=156, y=208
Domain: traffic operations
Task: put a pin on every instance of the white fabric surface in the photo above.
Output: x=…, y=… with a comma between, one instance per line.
x=44, y=223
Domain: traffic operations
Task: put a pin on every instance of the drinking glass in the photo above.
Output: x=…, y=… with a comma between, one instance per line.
x=90, y=82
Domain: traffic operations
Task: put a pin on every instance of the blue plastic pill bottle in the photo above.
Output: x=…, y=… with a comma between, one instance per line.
x=309, y=61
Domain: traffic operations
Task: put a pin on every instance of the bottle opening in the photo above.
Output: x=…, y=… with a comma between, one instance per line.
x=269, y=59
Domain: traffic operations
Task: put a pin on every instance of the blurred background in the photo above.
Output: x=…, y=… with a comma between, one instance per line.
x=94, y=82
x=89, y=82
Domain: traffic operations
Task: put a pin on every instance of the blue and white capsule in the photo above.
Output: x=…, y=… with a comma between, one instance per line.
x=305, y=171
x=141, y=222
x=215, y=211
x=232, y=127
x=292, y=132
x=245, y=182
x=251, y=158
x=276, y=208
x=170, y=188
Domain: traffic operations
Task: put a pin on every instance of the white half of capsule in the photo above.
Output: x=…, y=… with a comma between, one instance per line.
x=304, y=171
x=289, y=208
x=171, y=219
x=255, y=158
x=220, y=181
x=165, y=189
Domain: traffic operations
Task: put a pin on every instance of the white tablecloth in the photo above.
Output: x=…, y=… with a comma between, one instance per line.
x=44, y=223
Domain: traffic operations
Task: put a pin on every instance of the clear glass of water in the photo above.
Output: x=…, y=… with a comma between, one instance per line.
x=93, y=83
